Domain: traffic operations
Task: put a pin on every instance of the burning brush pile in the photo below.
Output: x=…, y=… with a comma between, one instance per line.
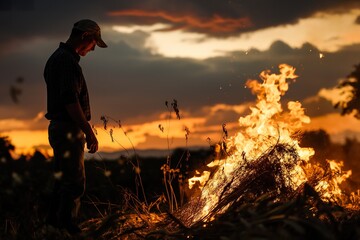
x=265, y=156
x=266, y=187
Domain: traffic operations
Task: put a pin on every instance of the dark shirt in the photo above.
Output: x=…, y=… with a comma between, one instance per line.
x=65, y=84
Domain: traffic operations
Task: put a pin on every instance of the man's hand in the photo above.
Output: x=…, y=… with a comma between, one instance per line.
x=92, y=143
x=76, y=113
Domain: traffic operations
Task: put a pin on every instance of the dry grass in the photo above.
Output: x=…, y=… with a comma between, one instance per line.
x=261, y=206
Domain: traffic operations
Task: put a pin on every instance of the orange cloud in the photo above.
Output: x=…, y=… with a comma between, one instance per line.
x=168, y=132
x=215, y=24
x=240, y=109
x=156, y=134
x=337, y=126
x=11, y=124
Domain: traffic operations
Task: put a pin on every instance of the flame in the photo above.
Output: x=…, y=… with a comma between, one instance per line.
x=331, y=189
x=267, y=125
x=201, y=179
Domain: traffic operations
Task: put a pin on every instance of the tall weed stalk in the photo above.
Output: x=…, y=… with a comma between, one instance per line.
x=136, y=165
x=169, y=173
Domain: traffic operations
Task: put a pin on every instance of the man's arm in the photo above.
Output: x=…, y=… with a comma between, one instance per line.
x=77, y=114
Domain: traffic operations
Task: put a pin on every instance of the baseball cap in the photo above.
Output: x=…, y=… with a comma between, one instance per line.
x=89, y=26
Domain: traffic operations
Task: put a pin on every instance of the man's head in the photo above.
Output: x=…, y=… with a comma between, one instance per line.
x=86, y=34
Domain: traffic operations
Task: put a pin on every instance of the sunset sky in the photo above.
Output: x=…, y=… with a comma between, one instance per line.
x=198, y=52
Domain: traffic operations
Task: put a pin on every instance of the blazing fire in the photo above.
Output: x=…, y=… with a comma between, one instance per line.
x=330, y=189
x=268, y=133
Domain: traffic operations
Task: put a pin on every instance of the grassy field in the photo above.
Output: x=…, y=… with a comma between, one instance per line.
x=117, y=206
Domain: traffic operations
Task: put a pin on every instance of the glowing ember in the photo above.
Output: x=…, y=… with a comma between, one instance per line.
x=266, y=127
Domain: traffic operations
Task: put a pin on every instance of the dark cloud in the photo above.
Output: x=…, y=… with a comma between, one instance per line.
x=224, y=18
x=44, y=19
x=357, y=20
x=319, y=107
x=129, y=82
x=215, y=25
x=22, y=5
x=23, y=20
x=221, y=116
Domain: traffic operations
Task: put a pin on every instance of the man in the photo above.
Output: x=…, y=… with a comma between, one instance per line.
x=68, y=110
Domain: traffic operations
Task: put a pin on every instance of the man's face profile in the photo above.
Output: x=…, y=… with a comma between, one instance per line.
x=88, y=44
